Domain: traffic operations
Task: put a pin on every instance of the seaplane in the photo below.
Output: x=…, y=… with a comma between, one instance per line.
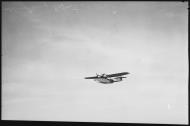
x=108, y=78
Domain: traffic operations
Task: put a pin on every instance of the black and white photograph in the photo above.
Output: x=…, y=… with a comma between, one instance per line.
x=95, y=61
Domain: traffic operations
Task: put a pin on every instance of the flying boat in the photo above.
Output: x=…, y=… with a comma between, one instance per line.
x=108, y=78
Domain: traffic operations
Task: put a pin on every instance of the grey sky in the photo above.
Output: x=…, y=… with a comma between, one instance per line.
x=49, y=47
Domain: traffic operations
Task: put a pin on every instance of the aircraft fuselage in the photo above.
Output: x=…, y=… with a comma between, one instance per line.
x=107, y=80
x=104, y=80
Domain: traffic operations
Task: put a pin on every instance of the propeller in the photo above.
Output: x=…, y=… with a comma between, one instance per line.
x=102, y=75
x=97, y=75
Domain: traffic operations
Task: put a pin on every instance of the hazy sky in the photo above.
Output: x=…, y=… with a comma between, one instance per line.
x=49, y=47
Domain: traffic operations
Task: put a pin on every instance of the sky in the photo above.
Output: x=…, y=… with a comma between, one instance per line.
x=49, y=47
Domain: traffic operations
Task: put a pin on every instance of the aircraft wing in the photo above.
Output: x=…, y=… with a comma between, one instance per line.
x=117, y=74
x=91, y=77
